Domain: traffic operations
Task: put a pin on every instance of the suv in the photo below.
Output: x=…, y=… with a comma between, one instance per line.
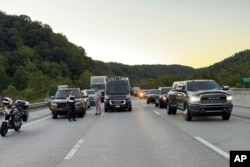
x=86, y=97
x=117, y=94
x=161, y=98
x=200, y=98
x=150, y=97
x=91, y=94
x=59, y=105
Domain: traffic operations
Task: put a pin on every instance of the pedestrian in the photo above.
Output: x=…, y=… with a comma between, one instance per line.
x=71, y=106
x=98, y=101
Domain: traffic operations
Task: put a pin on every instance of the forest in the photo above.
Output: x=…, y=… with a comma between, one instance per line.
x=34, y=60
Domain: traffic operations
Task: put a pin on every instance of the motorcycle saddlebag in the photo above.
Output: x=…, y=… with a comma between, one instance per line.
x=22, y=104
x=25, y=115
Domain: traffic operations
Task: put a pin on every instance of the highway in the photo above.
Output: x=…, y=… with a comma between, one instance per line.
x=145, y=137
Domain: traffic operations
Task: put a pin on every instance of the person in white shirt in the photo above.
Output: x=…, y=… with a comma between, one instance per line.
x=71, y=106
x=97, y=101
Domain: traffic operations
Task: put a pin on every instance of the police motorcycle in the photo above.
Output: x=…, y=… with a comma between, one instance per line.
x=13, y=115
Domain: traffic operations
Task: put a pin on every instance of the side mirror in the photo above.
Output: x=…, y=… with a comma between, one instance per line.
x=52, y=97
x=225, y=88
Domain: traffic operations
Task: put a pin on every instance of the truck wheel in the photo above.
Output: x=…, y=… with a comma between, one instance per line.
x=187, y=115
x=169, y=110
x=226, y=116
x=106, y=109
x=54, y=116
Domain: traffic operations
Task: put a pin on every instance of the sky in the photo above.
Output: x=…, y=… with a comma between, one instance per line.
x=195, y=33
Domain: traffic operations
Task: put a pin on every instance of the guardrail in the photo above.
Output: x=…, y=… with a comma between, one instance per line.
x=32, y=106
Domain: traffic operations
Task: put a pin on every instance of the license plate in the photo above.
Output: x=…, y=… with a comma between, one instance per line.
x=117, y=106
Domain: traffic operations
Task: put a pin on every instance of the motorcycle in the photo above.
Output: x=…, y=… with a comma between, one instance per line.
x=14, y=117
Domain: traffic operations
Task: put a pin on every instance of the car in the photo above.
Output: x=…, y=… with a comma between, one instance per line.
x=161, y=98
x=91, y=94
x=142, y=93
x=59, y=106
x=150, y=96
x=135, y=90
x=86, y=97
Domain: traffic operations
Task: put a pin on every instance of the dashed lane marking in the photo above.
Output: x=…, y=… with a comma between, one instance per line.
x=74, y=149
x=212, y=147
x=156, y=112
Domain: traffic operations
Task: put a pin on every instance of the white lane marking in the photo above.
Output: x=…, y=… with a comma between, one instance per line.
x=214, y=148
x=74, y=149
x=156, y=112
x=27, y=124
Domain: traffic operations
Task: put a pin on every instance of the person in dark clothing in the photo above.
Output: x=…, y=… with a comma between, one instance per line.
x=71, y=106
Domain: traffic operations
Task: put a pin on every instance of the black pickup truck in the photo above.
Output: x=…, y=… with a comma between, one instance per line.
x=200, y=98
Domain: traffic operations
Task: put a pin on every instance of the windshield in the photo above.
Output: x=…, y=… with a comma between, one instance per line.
x=202, y=85
x=90, y=92
x=152, y=91
x=62, y=94
x=165, y=90
x=117, y=87
x=99, y=86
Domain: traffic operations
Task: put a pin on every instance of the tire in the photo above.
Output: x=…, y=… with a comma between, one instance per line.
x=160, y=105
x=106, y=110
x=130, y=108
x=156, y=104
x=17, y=125
x=54, y=116
x=4, y=129
x=169, y=110
x=226, y=116
x=81, y=113
x=187, y=115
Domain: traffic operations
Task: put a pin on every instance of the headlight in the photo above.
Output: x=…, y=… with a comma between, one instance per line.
x=78, y=103
x=127, y=96
x=194, y=99
x=229, y=98
x=53, y=104
x=163, y=98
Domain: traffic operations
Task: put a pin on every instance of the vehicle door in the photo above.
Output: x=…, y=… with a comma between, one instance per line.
x=181, y=96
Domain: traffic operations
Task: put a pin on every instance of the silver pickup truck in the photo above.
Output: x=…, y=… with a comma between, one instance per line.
x=200, y=98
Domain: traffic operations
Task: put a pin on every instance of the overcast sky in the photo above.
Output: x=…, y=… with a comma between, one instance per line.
x=196, y=33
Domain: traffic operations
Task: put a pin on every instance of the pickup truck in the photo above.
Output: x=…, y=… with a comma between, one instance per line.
x=200, y=98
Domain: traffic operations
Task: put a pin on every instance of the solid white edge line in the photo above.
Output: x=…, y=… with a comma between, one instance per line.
x=214, y=148
x=157, y=113
x=74, y=149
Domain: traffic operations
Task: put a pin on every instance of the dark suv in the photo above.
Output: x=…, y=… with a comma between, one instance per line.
x=161, y=98
x=59, y=105
x=117, y=94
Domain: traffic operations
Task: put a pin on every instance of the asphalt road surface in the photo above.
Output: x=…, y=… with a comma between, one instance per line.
x=145, y=137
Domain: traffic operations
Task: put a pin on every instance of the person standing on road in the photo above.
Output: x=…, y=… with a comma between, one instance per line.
x=98, y=101
x=71, y=106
